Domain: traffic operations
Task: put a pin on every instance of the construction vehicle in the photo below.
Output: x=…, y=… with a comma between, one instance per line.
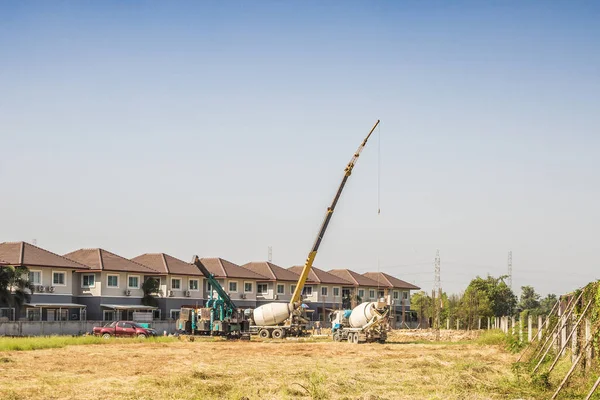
x=220, y=316
x=367, y=322
x=278, y=320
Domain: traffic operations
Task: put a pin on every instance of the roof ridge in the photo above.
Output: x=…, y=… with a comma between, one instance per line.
x=270, y=267
x=351, y=273
x=222, y=266
x=162, y=255
x=100, y=258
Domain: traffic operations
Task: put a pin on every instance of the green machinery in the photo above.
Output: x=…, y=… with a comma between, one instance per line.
x=220, y=316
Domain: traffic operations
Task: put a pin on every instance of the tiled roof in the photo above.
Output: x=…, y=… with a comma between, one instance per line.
x=23, y=253
x=319, y=276
x=226, y=269
x=272, y=271
x=167, y=264
x=355, y=277
x=389, y=281
x=100, y=259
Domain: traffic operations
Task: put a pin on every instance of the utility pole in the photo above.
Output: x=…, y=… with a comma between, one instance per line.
x=270, y=254
x=510, y=270
x=437, y=295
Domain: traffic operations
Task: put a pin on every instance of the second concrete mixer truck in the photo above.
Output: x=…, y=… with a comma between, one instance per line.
x=367, y=322
x=278, y=320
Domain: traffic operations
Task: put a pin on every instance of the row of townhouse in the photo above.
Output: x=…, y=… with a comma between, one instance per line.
x=96, y=284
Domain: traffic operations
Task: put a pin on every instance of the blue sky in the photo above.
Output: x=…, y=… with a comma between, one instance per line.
x=220, y=129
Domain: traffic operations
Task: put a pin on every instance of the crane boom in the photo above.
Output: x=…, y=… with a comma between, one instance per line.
x=313, y=253
x=214, y=284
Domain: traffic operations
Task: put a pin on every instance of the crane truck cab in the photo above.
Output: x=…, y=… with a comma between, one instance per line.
x=367, y=322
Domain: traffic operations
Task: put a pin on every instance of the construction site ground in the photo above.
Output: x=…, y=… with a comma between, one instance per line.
x=410, y=366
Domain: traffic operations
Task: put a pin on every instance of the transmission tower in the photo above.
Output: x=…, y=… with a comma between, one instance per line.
x=270, y=254
x=437, y=295
x=510, y=269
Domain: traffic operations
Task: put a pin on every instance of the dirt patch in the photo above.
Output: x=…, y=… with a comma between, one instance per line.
x=446, y=335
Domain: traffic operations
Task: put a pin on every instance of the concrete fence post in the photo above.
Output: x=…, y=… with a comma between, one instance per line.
x=457, y=324
x=574, y=338
x=588, y=337
x=479, y=324
x=512, y=320
x=557, y=335
x=563, y=331
x=540, y=328
x=520, y=330
x=448, y=324
x=529, y=328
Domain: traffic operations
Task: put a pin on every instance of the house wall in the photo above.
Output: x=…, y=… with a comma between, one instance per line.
x=184, y=286
x=47, y=280
x=236, y=296
x=95, y=312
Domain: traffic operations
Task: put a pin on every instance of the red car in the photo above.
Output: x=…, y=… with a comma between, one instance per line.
x=123, y=329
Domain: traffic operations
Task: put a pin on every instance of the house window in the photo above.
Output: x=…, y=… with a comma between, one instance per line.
x=380, y=294
x=336, y=292
x=324, y=291
x=261, y=288
x=175, y=283
x=396, y=296
x=108, y=315
x=371, y=294
x=133, y=282
x=112, y=281
x=233, y=287
x=175, y=314
x=280, y=289
x=292, y=289
x=248, y=287
x=35, y=277
x=405, y=295
x=59, y=278
x=307, y=291
x=361, y=293
x=193, y=284
x=33, y=314
x=88, y=280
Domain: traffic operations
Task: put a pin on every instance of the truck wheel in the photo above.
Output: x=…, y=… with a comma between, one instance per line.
x=264, y=333
x=355, y=340
x=106, y=336
x=337, y=337
x=350, y=337
x=278, y=334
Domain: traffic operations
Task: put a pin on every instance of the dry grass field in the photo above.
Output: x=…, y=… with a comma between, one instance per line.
x=216, y=369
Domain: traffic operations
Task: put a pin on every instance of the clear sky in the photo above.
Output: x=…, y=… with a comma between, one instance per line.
x=222, y=128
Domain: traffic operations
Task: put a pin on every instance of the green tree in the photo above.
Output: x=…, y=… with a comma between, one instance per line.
x=530, y=300
x=547, y=304
x=150, y=287
x=493, y=297
x=421, y=303
x=15, y=288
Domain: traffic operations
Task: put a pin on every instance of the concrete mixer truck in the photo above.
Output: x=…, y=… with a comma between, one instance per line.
x=278, y=320
x=367, y=322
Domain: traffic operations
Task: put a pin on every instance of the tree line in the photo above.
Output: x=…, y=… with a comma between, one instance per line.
x=483, y=298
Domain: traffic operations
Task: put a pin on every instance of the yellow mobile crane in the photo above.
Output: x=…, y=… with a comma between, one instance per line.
x=269, y=317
